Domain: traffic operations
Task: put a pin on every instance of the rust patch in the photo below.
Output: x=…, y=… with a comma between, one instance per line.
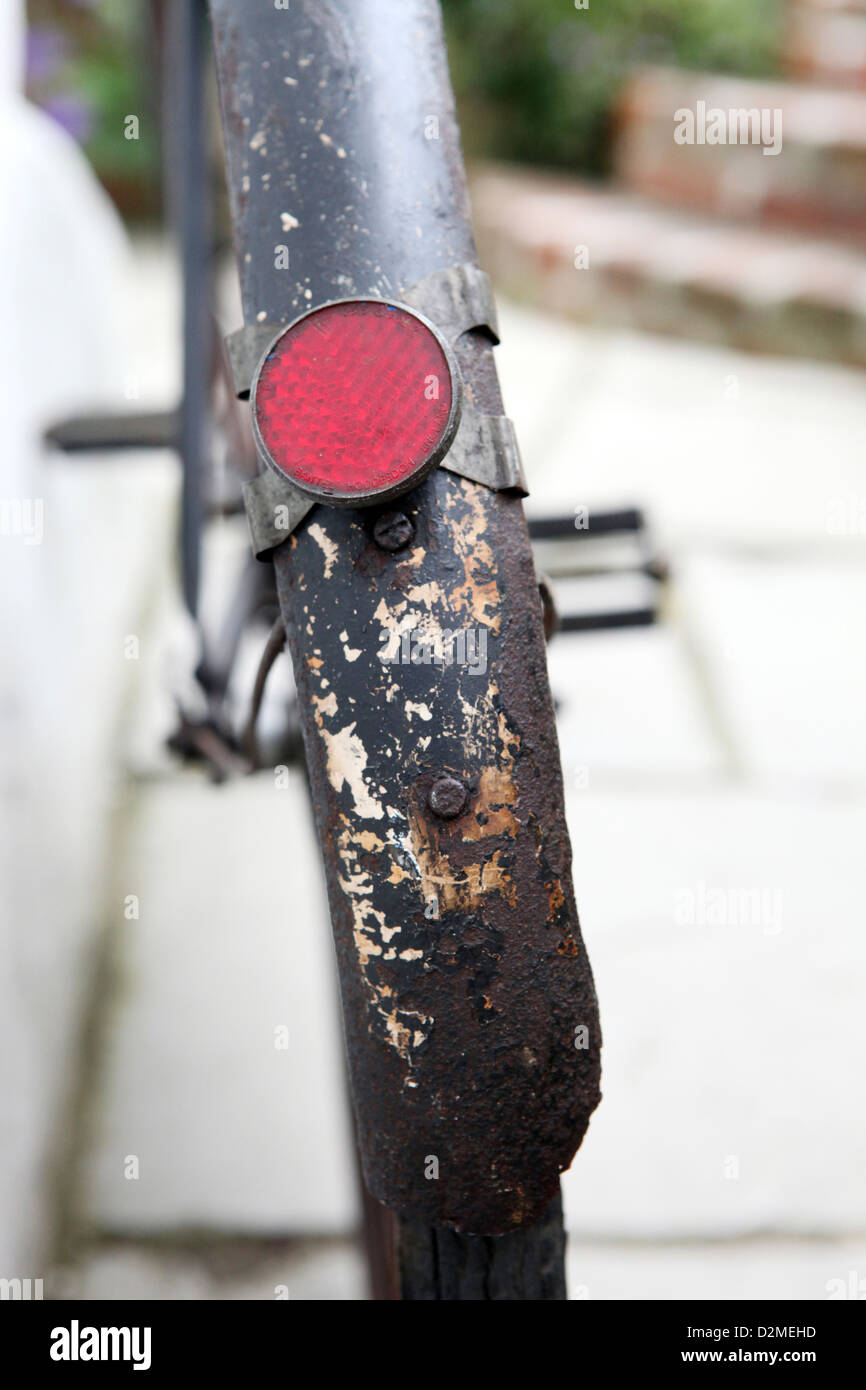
x=492, y=810
x=459, y=951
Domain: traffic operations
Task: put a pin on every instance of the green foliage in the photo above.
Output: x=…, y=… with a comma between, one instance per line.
x=537, y=80
x=101, y=75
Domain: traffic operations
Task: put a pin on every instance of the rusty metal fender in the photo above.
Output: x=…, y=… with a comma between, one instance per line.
x=470, y=1015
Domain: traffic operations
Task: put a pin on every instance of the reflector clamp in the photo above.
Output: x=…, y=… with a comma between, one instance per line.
x=356, y=401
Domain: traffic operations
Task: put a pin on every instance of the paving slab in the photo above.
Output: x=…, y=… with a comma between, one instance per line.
x=725, y=932
x=764, y=1269
x=224, y=1069
x=291, y=1271
x=760, y=1270
x=629, y=707
x=783, y=648
x=720, y=447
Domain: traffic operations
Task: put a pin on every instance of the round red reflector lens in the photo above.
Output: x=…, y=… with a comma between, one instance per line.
x=355, y=401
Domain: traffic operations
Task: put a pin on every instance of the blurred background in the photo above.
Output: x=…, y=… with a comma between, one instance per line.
x=684, y=337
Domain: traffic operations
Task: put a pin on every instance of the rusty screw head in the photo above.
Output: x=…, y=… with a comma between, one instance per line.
x=393, y=530
x=447, y=798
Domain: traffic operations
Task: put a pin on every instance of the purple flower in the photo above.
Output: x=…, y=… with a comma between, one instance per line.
x=73, y=113
x=46, y=50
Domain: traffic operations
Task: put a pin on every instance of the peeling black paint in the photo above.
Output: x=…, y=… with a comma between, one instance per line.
x=462, y=970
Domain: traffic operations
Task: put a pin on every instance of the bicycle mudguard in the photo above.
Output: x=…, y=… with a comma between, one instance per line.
x=469, y=1009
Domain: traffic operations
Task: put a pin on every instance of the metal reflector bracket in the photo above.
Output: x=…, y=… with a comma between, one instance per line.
x=456, y=300
x=245, y=347
x=485, y=450
x=274, y=508
x=356, y=401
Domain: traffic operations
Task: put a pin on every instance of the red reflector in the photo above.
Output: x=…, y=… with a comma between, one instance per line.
x=356, y=401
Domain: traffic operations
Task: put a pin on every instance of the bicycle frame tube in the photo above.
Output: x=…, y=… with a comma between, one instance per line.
x=189, y=193
x=470, y=1015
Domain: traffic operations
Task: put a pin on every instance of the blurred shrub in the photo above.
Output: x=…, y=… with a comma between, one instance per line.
x=87, y=67
x=537, y=80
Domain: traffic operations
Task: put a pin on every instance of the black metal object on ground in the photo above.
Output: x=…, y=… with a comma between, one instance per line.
x=565, y=540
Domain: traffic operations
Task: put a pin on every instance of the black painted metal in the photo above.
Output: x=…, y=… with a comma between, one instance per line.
x=609, y=523
x=189, y=196
x=527, y=1265
x=613, y=618
x=156, y=429
x=470, y=1016
x=360, y=147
